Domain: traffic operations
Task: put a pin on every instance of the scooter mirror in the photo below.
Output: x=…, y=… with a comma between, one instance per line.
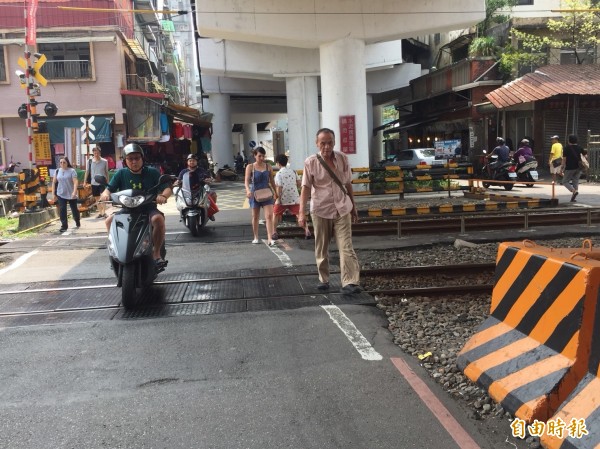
x=166, y=179
x=100, y=180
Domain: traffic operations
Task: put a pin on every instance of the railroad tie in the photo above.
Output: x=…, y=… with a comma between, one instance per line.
x=534, y=348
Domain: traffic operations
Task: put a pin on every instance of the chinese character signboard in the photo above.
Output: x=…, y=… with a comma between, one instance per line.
x=41, y=145
x=348, y=134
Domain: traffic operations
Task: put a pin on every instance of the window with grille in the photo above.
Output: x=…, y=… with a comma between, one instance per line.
x=3, y=67
x=70, y=60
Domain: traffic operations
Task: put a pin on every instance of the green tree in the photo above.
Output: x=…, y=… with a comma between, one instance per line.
x=484, y=45
x=491, y=14
x=577, y=31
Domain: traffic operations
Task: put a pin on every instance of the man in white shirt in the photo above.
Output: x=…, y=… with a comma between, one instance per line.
x=96, y=166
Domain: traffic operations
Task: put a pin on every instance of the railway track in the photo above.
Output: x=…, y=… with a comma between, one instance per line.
x=412, y=225
x=54, y=299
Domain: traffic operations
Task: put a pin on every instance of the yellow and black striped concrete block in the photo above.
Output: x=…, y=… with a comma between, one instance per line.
x=534, y=348
x=442, y=209
x=580, y=413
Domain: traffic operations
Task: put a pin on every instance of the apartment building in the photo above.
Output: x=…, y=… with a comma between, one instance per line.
x=125, y=69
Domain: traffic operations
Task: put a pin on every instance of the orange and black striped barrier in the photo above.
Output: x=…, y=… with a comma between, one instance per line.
x=535, y=347
x=579, y=416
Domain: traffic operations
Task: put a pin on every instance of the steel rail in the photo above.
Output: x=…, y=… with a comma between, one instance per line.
x=365, y=273
x=445, y=223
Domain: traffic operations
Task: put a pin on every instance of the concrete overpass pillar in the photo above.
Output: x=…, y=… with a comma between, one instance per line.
x=303, y=117
x=344, y=92
x=250, y=135
x=222, y=144
x=377, y=139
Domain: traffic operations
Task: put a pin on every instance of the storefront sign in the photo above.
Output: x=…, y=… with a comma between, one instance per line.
x=348, y=134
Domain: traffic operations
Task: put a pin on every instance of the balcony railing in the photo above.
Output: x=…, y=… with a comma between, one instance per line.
x=2, y=72
x=67, y=70
x=447, y=78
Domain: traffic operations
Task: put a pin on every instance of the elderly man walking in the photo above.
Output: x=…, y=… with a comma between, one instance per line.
x=327, y=179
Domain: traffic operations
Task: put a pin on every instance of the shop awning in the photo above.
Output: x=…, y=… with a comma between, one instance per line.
x=136, y=49
x=547, y=82
x=138, y=93
x=398, y=129
x=189, y=115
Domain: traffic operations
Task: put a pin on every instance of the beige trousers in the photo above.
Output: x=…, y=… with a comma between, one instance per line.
x=341, y=227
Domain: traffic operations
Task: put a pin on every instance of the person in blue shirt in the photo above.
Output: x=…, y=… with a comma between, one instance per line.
x=136, y=175
x=198, y=177
x=503, y=153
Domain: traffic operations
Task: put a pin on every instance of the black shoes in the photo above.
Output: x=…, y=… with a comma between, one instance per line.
x=323, y=286
x=211, y=218
x=351, y=289
x=160, y=265
x=573, y=200
x=61, y=230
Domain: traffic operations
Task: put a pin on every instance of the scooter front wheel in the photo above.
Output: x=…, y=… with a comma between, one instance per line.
x=192, y=223
x=129, y=294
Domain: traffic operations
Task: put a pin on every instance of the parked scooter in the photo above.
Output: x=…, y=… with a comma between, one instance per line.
x=503, y=172
x=227, y=173
x=192, y=204
x=130, y=242
x=526, y=170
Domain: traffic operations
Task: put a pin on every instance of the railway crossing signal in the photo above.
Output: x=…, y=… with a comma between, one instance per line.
x=35, y=69
x=87, y=129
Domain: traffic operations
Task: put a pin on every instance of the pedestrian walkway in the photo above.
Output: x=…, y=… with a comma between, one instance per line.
x=231, y=195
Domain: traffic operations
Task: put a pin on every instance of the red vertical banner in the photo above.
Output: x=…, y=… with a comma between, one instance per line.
x=348, y=134
x=30, y=22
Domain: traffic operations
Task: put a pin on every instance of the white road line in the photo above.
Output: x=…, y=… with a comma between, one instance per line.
x=360, y=343
x=281, y=255
x=17, y=263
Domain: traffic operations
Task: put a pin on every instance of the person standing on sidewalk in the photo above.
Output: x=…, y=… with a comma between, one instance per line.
x=97, y=165
x=64, y=190
x=556, y=154
x=570, y=166
x=327, y=179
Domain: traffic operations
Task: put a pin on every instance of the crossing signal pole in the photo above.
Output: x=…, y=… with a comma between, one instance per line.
x=28, y=80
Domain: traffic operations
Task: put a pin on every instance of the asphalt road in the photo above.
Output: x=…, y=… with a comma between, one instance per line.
x=307, y=378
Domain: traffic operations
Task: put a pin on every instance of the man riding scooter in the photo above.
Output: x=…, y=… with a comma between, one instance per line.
x=503, y=153
x=198, y=176
x=138, y=176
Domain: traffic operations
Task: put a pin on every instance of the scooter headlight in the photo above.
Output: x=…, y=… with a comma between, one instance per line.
x=110, y=246
x=144, y=245
x=131, y=201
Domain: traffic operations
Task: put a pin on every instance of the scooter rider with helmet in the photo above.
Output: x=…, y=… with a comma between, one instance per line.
x=138, y=176
x=524, y=151
x=503, y=153
x=198, y=177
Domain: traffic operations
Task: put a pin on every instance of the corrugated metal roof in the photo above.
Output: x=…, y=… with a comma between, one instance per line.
x=547, y=82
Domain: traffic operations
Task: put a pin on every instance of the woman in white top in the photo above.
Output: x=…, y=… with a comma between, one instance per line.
x=64, y=190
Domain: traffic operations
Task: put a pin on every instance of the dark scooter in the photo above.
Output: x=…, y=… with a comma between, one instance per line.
x=192, y=204
x=227, y=173
x=503, y=172
x=130, y=242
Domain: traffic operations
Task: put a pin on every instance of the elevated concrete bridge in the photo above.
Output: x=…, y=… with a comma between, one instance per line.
x=343, y=50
